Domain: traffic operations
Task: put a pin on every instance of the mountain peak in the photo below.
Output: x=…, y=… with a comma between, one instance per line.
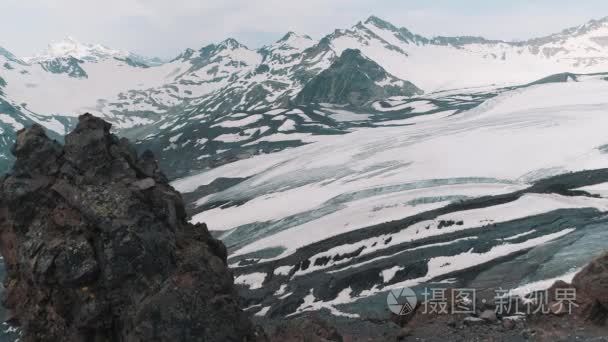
x=187, y=54
x=291, y=36
x=380, y=23
x=231, y=44
x=596, y=22
x=70, y=47
x=354, y=79
x=288, y=36
x=595, y=30
x=352, y=53
x=293, y=41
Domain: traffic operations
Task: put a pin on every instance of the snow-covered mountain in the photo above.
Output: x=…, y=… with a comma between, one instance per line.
x=252, y=79
x=202, y=85
x=70, y=47
x=142, y=95
x=456, y=62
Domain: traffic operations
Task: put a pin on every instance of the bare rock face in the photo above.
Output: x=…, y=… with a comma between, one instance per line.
x=593, y=280
x=592, y=285
x=97, y=247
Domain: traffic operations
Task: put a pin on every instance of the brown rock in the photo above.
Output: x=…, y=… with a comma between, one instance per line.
x=592, y=280
x=591, y=284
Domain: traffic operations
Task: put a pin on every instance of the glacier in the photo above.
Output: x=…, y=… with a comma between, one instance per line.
x=458, y=189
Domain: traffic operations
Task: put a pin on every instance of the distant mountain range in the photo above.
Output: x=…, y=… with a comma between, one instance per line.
x=155, y=101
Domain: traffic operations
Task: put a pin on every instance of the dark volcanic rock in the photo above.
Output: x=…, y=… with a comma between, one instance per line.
x=97, y=247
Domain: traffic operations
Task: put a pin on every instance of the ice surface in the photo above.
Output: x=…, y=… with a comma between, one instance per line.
x=373, y=175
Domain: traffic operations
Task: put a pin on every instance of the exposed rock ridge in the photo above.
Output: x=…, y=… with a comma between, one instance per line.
x=356, y=80
x=97, y=247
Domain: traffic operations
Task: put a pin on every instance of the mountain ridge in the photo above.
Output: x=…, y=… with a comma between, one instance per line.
x=78, y=49
x=206, y=84
x=71, y=47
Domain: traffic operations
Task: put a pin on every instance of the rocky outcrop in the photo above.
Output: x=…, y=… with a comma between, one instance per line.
x=97, y=247
x=592, y=289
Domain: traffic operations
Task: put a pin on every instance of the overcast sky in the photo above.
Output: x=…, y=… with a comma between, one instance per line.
x=166, y=27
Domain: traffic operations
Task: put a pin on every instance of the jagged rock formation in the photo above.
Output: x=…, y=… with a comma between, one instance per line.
x=97, y=247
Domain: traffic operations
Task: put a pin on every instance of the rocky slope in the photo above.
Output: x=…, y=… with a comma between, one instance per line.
x=356, y=80
x=97, y=247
